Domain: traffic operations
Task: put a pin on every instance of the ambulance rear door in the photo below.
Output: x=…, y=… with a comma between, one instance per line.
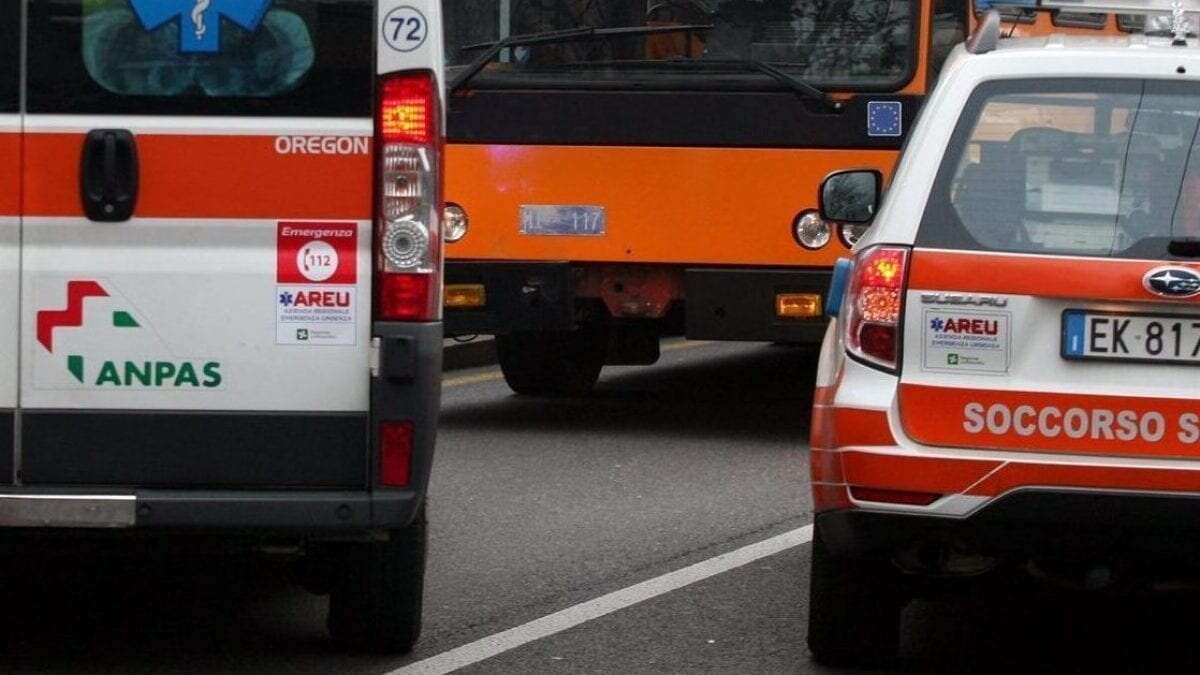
x=195, y=277
x=10, y=225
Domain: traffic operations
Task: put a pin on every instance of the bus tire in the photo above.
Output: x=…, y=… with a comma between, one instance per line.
x=854, y=609
x=375, y=604
x=552, y=363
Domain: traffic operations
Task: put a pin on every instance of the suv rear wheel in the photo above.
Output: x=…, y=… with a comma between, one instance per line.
x=854, y=609
x=558, y=363
x=375, y=603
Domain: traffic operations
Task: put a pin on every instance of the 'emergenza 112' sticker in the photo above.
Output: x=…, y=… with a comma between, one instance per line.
x=317, y=272
x=961, y=340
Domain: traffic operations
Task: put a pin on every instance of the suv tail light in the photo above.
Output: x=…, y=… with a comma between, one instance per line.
x=874, y=306
x=408, y=243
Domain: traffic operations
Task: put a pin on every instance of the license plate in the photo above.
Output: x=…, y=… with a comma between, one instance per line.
x=580, y=221
x=1105, y=336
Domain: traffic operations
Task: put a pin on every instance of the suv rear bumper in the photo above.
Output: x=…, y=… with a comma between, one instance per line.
x=1045, y=523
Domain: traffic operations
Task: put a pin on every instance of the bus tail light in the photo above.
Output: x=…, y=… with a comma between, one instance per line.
x=408, y=257
x=875, y=304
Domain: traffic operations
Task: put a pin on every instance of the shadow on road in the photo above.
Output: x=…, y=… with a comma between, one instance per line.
x=759, y=391
x=1055, y=633
x=156, y=616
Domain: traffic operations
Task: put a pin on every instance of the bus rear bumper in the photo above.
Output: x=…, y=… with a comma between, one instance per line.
x=740, y=304
x=718, y=303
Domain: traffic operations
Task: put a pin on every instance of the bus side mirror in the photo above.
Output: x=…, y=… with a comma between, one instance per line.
x=851, y=197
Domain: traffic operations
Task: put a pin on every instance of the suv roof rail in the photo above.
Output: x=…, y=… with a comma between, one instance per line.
x=987, y=35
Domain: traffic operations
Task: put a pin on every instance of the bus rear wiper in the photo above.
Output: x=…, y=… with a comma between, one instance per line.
x=792, y=82
x=493, y=49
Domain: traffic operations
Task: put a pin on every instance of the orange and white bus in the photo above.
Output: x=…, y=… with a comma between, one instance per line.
x=621, y=170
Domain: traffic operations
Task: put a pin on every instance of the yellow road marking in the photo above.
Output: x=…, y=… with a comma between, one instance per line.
x=495, y=375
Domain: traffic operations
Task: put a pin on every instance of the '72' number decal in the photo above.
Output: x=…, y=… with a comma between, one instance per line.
x=405, y=29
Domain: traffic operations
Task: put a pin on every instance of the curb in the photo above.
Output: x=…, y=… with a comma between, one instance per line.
x=474, y=354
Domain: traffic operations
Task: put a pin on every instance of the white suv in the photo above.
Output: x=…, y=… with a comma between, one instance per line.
x=1011, y=379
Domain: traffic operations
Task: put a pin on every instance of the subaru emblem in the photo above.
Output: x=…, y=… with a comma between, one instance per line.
x=1172, y=282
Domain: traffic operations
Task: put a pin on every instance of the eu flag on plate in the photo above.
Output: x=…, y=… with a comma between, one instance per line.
x=885, y=118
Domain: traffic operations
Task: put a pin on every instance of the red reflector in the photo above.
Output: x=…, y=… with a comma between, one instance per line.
x=878, y=341
x=406, y=297
x=395, y=453
x=863, y=494
x=406, y=113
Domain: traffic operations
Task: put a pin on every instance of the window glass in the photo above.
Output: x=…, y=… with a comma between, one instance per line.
x=853, y=44
x=10, y=56
x=137, y=49
x=269, y=57
x=1097, y=168
x=949, y=29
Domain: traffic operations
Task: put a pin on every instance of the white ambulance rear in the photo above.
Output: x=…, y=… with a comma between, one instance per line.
x=219, y=231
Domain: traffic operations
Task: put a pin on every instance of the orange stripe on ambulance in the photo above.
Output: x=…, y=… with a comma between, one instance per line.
x=999, y=419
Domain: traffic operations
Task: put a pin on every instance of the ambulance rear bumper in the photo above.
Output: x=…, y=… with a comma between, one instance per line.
x=277, y=511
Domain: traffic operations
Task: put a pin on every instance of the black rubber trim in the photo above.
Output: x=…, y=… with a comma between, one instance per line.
x=739, y=304
x=520, y=296
x=667, y=118
x=194, y=449
x=7, y=422
x=1031, y=522
x=309, y=511
x=417, y=400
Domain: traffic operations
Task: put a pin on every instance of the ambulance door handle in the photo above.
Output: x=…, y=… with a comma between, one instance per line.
x=108, y=176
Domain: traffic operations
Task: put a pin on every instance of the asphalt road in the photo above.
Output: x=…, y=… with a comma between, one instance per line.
x=539, y=505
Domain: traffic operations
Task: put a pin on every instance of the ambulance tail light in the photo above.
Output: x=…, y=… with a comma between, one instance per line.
x=875, y=305
x=408, y=242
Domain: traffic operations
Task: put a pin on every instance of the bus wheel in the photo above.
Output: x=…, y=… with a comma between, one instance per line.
x=558, y=363
x=375, y=604
x=854, y=609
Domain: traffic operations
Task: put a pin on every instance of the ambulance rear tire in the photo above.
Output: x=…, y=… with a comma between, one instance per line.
x=553, y=363
x=375, y=604
x=854, y=608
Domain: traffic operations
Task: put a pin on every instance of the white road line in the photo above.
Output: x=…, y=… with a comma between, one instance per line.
x=570, y=617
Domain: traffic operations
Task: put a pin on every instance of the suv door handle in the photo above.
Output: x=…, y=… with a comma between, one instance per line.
x=108, y=176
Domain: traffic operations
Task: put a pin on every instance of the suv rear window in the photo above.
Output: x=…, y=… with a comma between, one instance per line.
x=270, y=57
x=1104, y=168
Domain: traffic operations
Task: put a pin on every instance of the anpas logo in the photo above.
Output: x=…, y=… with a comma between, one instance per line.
x=104, y=372
x=200, y=20
x=963, y=326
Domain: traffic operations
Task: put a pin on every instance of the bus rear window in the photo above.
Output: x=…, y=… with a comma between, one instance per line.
x=1085, y=167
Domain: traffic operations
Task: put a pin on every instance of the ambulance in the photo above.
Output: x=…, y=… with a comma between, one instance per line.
x=220, y=270
x=1010, y=386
